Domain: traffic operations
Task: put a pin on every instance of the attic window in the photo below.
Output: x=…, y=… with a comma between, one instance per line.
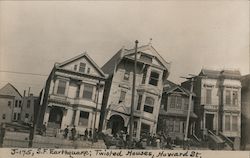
x=82, y=67
x=75, y=67
x=146, y=58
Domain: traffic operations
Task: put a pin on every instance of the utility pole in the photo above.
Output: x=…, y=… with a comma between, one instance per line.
x=189, y=109
x=97, y=100
x=131, y=125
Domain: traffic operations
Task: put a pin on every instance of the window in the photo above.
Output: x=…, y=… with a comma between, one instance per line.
x=172, y=101
x=139, y=102
x=88, y=70
x=28, y=104
x=9, y=103
x=4, y=116
x=75, y=67
x=18, y=116
x=154, y=77
x=227, y=123
x=149, y=105
x=179, y=102
x=16, y=103
x=144, y=76
x=122, y=96
x=177, y=126
x=83, y=119
x=126, y=75
x=228, y=97
x=208, y=96
x=61, y=87
x=88, y=91
x=235, y=123
x=235, y=98
x=20, y=103
x=82, y=67
x=26, y=115
x=186, y=103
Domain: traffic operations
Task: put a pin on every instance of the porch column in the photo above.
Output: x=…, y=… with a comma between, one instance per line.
x=64, y=119
x=77, y=116
x=46, y=115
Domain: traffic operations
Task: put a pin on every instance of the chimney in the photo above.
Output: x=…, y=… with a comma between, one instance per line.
x=24, y=92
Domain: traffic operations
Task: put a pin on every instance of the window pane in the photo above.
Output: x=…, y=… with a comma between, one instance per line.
x=126, y=75
x=88, y=91
x=235, y=98
x=28, y=104
x=149, y=101
x=122, y=96
x=154, y=77
x=83, y=119
x=148, y=109
x=61, y=87
x=227, y=123
x=208, y=96
x=179, y=102
x=172, y=101
x=228, y=97
x=235, y=123
x=144, y=76
x=82, y=67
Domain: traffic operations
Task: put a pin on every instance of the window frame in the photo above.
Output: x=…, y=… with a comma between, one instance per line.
x=147, y=105
x=85, y=94
x=153, y=79
x=61, y=88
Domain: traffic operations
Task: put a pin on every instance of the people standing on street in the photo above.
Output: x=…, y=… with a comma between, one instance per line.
x=90, y=134
x=2, y=134
x=66, y=131
x=86, y=134
x=73, y=132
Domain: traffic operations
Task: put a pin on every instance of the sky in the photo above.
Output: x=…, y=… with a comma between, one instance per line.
x=190, y=34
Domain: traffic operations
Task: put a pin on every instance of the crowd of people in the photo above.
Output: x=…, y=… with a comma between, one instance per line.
x=73, y=135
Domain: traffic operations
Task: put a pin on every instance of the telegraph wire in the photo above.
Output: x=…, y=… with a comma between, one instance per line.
x=23, y=73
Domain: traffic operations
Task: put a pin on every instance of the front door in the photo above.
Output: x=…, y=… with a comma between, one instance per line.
x=210, y=122
x=55, y=117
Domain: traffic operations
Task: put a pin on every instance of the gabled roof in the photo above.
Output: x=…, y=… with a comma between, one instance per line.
x=110, y=66
x=170, y=87
x=60, y=65
x=9, y=90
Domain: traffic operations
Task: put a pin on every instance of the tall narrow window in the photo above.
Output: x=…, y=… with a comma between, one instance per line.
x=75, y=67
x=9, y=103
x=88, y=91
x=126, y=75
x=28, y=104
x=122, y=96
x=82, y=67
x=61, y=87
x=172, y=101
x=18, y=116
x=186, y=103
x=15, y=116
x=4, y=116
x=26, y=115
x=20, y=103
x=16, y=103
x=154, y=77
x=235, y=98
x=228, y=97
x=149, y=105
x=227, y=123
x=144, y=75
x=208, y=96
x=88, y=70
x=139, y=102
x=84, y=118
x=235, y=123
x=178, y=102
